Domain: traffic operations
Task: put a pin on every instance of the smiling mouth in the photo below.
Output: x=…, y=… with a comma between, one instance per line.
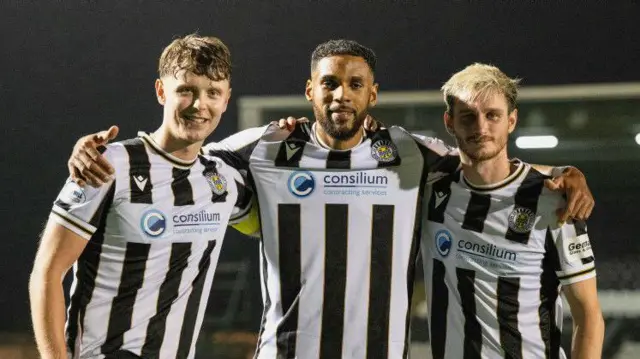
x=195, y=119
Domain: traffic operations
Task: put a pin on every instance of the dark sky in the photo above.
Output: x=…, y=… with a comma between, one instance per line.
x=74, y=67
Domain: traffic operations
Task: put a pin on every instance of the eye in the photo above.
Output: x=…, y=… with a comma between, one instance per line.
x=357, y=85
x=329, y=84
x=213, y=93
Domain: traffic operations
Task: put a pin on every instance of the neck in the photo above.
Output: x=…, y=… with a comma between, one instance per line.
x=336, y=144
x=184, y=150
x=486, y=172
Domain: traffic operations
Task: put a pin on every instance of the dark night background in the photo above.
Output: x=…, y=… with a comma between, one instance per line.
x=74, y=67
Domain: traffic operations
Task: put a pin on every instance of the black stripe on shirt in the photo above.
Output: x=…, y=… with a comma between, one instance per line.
x=549, y=289
x=139, y=171
x=188, y=335
x=507, y=313
x=131, y=280
x=289, y=237
x=380, y=281
x=526, y=199
x=580, y=227
x=87, y=271
x=335, y=279
x=440, y=195
x=477, y=211
x=169, y=290
x=439, y=306
x=472, y=331
x=181, y=187
x=339, y=159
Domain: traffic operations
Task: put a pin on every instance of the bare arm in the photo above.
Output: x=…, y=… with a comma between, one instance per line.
x=588, y=324
x=59, y=249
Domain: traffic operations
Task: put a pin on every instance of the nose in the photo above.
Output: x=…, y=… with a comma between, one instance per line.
x=198, y=103
x=340, y=94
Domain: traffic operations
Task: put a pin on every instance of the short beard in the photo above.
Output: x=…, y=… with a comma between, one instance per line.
x=332, y=130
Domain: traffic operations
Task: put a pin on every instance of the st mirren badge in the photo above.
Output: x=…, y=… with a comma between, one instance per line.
x=521, y=220
x=384, y=151
x=217, y=183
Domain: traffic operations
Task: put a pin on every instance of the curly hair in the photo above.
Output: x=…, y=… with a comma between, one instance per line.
x=343, y=47
x=202, y=55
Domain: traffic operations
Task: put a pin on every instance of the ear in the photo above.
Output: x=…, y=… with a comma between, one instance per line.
x=448, y=123
x=160, y=92
x=308, y=90
x=226, y=101
x=373, y=97
x=513, y=120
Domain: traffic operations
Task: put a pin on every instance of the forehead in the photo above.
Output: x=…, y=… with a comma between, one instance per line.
x=480, y=101
x=343, y=66
x=184, y=77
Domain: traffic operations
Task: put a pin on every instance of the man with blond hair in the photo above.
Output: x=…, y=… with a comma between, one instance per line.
x=144, y=247
x=494, y=253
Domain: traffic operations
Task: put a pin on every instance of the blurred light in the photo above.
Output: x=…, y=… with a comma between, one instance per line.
x=538, y=141
x=638, y=138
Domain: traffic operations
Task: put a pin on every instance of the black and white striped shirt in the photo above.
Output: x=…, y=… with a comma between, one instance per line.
x=340, y=232
x=154, y=237
x=495, y=258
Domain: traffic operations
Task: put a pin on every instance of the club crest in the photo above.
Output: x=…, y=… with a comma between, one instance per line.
x=521, y=220
x=384, y=151
x=217, y=183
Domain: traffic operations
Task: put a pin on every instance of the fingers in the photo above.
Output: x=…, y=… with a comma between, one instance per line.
x=370, y=124
x=572, y=203
x=585, y=210
x=79, y=170
x=103, y=137
x=290, y=122
x=551, y=185
x=75, y=175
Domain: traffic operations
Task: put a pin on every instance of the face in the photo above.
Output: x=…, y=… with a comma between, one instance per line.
x=341, y=90
x=193, y=104
x=482, y=126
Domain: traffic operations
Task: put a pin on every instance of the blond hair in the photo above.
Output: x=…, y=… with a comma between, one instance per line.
x=479, y=80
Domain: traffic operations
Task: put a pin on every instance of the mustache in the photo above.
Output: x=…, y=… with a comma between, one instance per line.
x=479, y=138
x=341, y=108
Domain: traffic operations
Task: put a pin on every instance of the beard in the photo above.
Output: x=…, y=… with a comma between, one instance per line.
x=469, y=148
x=335, y=130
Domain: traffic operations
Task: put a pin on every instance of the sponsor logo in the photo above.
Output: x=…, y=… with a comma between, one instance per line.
x=489, y=251
x=579, y=248
x=521, y=220
x=440, y=197
x=72, y=193
x=153, y=223
x=217, y=183
x=291, y=148
x=384, y=151
x=141, y=181
x=443, y=242
x=301, y=183
x=360, y=183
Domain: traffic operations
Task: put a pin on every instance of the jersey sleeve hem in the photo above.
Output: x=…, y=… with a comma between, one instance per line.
x=72, y=223
x=579, y=276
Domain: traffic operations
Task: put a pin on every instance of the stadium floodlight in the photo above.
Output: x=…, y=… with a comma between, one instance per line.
x=638, y=138
x=531, y=142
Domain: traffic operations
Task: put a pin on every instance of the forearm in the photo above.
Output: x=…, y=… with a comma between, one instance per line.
x=48, y=315
x=588, y=335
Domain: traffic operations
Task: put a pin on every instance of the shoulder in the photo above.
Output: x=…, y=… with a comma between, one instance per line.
x=238, y=140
